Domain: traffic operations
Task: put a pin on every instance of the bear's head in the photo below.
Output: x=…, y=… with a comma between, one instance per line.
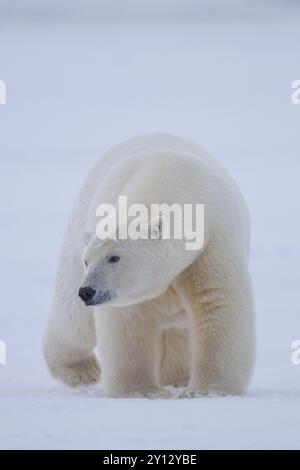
x=122, y=272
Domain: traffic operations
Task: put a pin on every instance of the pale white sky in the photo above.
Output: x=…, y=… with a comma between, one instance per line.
x=97, y=10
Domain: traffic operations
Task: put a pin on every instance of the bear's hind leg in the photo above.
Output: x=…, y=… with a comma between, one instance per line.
x=175, y=357
x=128, y=342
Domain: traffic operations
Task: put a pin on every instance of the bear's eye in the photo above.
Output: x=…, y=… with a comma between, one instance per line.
x=113, y=259
x=85, y=262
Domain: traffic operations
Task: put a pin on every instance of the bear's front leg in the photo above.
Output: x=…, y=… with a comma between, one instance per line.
x=68, y=345
x=128, y=346
x=217, y=295
x=70, y=337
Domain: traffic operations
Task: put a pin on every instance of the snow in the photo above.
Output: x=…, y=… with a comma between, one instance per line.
x=73, y=90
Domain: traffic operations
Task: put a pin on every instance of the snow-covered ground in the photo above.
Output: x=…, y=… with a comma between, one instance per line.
x=75, y=89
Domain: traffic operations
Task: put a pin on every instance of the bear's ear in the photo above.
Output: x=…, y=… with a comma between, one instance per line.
x=156, y=228
x=86, y=238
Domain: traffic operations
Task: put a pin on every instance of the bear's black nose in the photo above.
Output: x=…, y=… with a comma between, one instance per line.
x=86, y=293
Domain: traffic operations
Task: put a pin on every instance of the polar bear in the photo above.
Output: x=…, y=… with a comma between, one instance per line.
x=160, y=314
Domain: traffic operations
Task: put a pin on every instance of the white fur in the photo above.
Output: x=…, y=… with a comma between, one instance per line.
x=179, y=317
